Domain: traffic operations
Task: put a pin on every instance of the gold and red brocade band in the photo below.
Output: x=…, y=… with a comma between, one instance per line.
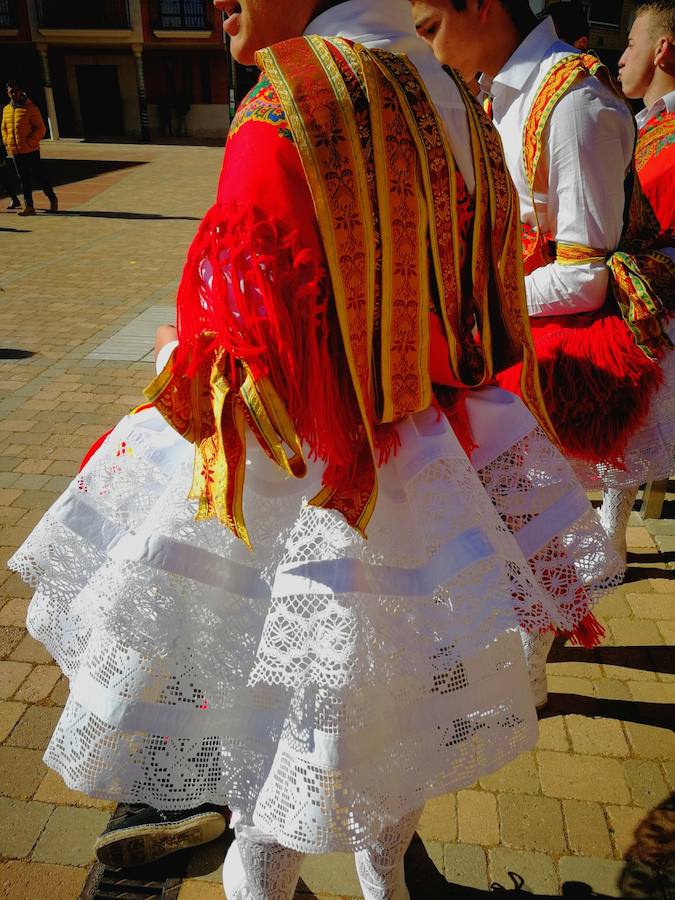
x=655, y=164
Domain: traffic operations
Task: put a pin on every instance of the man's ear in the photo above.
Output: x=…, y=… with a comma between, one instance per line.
x=483, y=9
x=664, y=55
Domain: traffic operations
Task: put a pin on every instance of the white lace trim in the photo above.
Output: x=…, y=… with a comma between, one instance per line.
x=294, y=682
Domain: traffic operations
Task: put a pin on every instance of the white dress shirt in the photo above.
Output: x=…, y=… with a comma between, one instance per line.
x=667, y=103
x=587, y=149
x=388, y=25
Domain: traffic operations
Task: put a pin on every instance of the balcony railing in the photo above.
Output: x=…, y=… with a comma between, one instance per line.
x=183, y=15
x=103, y=14
x=8, y=16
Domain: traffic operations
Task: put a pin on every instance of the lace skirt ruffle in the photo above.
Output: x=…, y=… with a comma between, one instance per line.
x=323, y=684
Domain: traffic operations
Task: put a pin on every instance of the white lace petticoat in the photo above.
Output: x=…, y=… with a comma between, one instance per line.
x=323, y=684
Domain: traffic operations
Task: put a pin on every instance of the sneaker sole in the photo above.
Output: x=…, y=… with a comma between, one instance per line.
x=143, y=844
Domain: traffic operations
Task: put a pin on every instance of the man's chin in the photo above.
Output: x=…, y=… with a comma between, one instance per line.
x=243, y=51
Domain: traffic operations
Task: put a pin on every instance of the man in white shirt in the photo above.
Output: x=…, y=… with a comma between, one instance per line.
x=647, y=73
x=569, y=166
x=568, y=140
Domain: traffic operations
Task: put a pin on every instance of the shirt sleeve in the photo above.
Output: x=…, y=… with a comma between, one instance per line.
x=588, y=147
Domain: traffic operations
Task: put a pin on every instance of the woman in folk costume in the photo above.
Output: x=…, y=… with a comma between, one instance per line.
x=324, y=635
x=600, y=286
x=647, y=72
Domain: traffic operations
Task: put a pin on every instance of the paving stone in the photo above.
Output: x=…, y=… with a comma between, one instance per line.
x=434, y=850
x=20, y=880
x=10, y=713
x=652, y=691
x=612, y=605
x=53, y=790
x=9, y=639
x=575, y=777
x=439, y=819
x=477, y=817
x=552, y=736
x=21, y=771
x=69, y=836
x=14, y=613
x=59, y=695
x=623, y=822
x=562, y=684
x=332, y=872
x=635, y=632
x=602, y=875
x=531, y=823
x=33, y=466
x=652, y=606
x=611, y=689
x=597, y=737
x=645, y=781
x=661, y=585
x=574, y=669
x=200, y=890
x=35, y=728
x=30, y=650
x=466, y=865
x=639, y=538
x=650, y=741
x=667, y=629
x=22, y=824
x=536, y=869
x=586, y=827
x=12, y=674
x=668, y=767
x=520, y=776
x=39, y=684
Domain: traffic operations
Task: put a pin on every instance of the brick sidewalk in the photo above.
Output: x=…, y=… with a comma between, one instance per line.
x=565, y=812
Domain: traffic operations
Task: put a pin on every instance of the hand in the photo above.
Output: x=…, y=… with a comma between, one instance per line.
x=163, y=336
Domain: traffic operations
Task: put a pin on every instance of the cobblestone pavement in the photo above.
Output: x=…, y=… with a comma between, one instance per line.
x=565, y=812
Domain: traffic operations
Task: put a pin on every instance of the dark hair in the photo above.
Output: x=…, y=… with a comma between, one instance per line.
x=519, y=11
x=663, y=12
x=12, y=83
x=570, y=20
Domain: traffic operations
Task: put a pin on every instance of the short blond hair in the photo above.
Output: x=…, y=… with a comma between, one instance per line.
x=663, y=16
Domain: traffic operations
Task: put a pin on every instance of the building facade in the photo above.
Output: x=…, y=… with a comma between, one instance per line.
x=143, y=69
x=610, y=22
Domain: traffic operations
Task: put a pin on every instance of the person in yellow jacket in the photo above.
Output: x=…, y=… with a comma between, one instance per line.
x=22, y=130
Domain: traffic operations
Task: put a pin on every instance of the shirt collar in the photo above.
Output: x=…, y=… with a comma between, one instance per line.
x=666, y=102
x=365, y=21
x=526, y=59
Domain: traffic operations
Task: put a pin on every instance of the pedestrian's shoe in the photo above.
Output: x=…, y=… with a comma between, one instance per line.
x=138, y=835
x=15, y=204
x=27, y=211
x=53, y=204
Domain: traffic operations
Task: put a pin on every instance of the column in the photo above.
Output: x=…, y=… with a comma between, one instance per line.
x=49, y=93
x=140, y=86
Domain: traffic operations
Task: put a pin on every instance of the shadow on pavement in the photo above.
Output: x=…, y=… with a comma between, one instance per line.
x=425, y=882
x=105, y=214
x=652, y=659
x=70, y=171
x=638, y=711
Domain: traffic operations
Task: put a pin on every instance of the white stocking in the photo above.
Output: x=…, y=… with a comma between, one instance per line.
x=615, y=511
x=537, y=647
x=380, y=868
x=258, y=868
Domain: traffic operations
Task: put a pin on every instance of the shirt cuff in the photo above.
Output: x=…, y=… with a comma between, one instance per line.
x=164, y=354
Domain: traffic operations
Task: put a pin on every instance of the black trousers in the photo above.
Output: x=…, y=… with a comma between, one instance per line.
x=30, y=170
x=8, y=181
